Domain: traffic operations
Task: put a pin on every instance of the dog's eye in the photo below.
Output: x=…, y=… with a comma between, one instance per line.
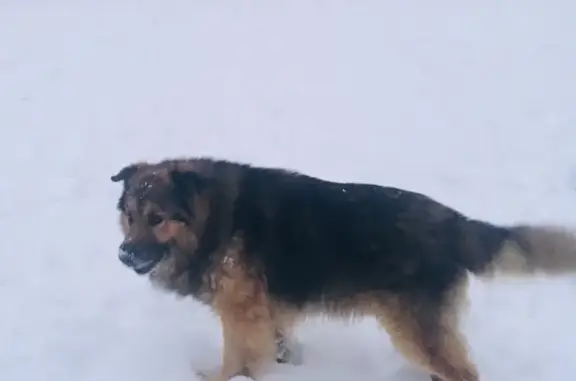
x=155, y=219
x=129, y=218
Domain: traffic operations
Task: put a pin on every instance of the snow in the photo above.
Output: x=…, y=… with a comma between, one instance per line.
x=470, y=102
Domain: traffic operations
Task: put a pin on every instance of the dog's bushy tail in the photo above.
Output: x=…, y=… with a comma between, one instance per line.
x=528, y=250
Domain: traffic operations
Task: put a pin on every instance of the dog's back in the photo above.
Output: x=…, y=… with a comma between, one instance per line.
x=323, y=240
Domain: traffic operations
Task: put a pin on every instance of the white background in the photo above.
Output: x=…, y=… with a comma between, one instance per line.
x=470, y=102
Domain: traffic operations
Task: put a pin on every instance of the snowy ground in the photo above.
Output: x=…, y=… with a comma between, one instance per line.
x=470, y=102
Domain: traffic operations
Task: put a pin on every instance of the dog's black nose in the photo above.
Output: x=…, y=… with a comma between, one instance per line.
x=127, y=246
x=126, y=256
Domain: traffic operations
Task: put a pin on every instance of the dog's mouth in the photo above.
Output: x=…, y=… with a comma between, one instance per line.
x=140, y=265
x=145, y=268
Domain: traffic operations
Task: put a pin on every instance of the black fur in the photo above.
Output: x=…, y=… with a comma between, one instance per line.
x=317, y=240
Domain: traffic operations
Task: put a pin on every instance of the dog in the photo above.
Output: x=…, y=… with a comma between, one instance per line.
x=266, y=247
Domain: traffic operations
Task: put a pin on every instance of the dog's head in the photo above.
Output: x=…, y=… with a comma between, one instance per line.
x=162, y=213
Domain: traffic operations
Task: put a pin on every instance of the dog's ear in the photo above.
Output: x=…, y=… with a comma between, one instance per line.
x=187, y=183
x=125, y=173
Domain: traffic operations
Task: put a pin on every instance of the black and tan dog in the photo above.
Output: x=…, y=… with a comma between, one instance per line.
x=266, y=247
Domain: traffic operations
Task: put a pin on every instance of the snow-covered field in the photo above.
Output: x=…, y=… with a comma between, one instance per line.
x=472, y=102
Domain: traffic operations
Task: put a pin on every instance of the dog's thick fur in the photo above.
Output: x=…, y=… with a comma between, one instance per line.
x=266, y=247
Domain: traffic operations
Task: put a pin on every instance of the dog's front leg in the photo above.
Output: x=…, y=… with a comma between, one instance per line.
x=252, y=339
x=232, y=357
x=249, y=344
x=241, y=301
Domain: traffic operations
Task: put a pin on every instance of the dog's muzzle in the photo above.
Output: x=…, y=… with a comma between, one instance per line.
x=141, y=260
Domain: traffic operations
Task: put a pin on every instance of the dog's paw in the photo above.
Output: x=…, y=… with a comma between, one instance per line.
x=289, y=352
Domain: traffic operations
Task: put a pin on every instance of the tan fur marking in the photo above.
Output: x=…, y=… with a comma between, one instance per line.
x=168, y=230
x=429, y=340
x=248, y=329
x=176, y=230
x=510, y=259
x=536, y=249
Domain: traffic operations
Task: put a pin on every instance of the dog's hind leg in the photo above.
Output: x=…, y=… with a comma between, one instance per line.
x=425, y=331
